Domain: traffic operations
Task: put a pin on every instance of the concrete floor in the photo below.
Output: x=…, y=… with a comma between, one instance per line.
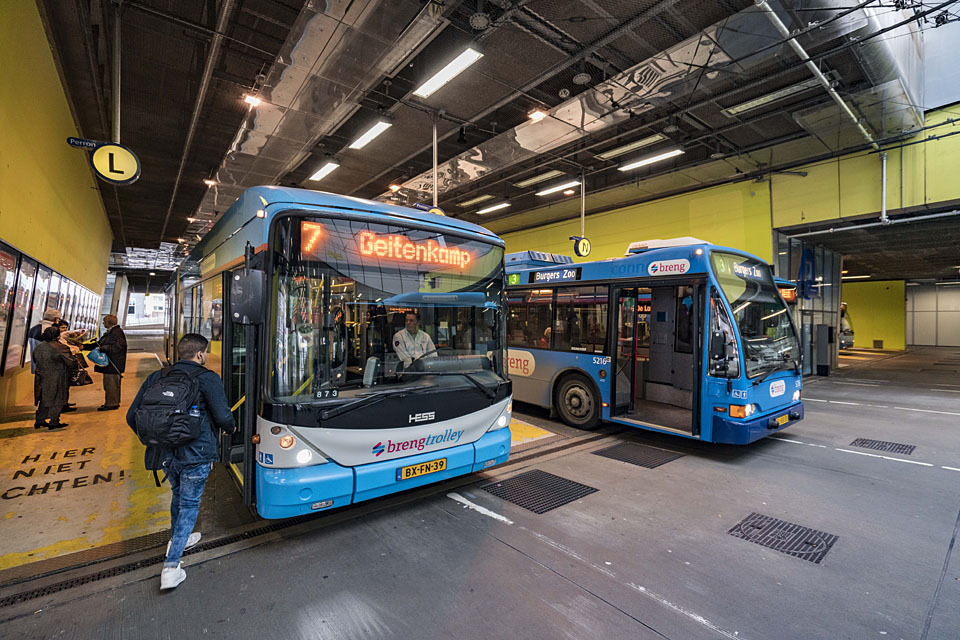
x=646, y=556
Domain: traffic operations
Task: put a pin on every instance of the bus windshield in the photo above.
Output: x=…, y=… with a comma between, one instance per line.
x=362, y=306
x=768, y=335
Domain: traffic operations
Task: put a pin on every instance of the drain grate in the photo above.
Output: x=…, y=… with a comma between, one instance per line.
x=57, y=587
x=538, y=491
x=638, y=454
x=883, y=445
x=785, y=537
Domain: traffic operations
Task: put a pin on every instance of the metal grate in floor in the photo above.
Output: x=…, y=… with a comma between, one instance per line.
x=63, y=585
x=538, y=491
x=638, y=454
x=883, y=445
x=786, y=537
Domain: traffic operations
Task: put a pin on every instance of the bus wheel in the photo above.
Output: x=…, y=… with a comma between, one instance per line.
x=577, y=403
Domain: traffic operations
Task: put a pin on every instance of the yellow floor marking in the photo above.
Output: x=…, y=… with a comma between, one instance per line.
x=522, y=432
x=88, y=484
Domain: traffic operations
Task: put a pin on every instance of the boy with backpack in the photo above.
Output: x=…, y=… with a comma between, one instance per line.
x=174, y=414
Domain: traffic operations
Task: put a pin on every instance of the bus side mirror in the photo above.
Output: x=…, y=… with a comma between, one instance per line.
x=718, y=346
x=247, y=288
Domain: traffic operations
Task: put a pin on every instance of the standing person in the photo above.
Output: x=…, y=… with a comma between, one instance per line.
x=187, y=465
x=113, y=343
x=412, y=343
x=54, y=365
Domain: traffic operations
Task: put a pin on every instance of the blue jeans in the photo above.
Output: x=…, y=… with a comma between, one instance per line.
x=186, y=483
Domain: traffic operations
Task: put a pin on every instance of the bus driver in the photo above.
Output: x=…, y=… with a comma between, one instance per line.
x=411, y=343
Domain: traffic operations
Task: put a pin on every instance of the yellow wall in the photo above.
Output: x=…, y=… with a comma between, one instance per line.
x=735, y=215
x=877, y=312
x=49, y=204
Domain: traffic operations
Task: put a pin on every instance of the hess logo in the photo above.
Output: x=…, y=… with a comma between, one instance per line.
x=422, y=417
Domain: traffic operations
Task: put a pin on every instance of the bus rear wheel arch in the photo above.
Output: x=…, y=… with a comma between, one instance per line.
x=577, y=401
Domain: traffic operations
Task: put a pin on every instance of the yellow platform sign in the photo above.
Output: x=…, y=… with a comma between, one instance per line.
x=115, y=164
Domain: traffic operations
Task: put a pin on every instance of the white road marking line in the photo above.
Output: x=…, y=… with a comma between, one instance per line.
x=855, y=404
x=858, y=384
x=946, y=413
x=809, y=444
x=814, y=400
x=943, y=384
x=788, y=440
x=693, y=616
x=490, y=514
x=950, y=468
x=874, y=455
x=946, y=390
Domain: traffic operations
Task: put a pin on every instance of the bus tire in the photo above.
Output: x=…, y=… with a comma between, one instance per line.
x=577, y=402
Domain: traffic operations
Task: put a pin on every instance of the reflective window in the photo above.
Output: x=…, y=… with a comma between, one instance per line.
x=581, y=321
x=41, y=290
x=529, y=318
x=21, y=310
x=8, y=279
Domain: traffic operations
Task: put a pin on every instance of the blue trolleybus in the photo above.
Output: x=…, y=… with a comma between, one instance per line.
x=678, y=336
x=304, y=296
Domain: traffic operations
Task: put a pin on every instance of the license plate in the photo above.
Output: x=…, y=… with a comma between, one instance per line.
x=422, y=469
x=782, y=420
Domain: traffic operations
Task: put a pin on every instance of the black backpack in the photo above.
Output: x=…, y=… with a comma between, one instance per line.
x=163, y=418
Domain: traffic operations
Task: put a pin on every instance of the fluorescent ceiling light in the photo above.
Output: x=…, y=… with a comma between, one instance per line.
x=537, y=115
x=395, y=187
x=473, y=201
x=324, y=171
x=209, y=182
x=627, y=148
x=448, y=73
x=642, y=162
x=496, y=207
x=806, y=85
x=370, y=134
x=559, y=187
x=945, y=284
x=540, y=178
x=854, y=277
x=253, y=101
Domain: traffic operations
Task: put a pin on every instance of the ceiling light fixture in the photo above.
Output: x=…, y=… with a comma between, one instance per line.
x=395, y=187
x=806, y=85
x=370, y=134
x=559, y=187
x=496, y=207
x=627, y=148
x=569, y=192
x=651, y=159
x=854, y=277
x=454, y=68
x=153, y=273
x=537, y=114
x=191, y=220
x=473, y=201
x=209, y=182
x=324, y=171
x=537, y=179
x=253, y=101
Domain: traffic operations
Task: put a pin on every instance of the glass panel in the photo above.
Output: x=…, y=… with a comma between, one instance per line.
x=21, y=310
x=529, y=315
x=41, y=289
x=210, y=305
x=726, y=365
x=53, y=297
x=187, y=317
x=684, y=321
x=8, y=278
x=769, y=339
x=360, y=304
x=581, y=321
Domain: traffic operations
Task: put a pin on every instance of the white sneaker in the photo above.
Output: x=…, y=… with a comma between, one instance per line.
x=191, y=541
x=171, y=577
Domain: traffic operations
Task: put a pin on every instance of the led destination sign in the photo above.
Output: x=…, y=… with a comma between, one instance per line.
x=555, y=275
x=403, y=248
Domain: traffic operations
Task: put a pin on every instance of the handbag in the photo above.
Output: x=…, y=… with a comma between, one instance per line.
x=80, y=378
x=99, y=358
x=81, y=360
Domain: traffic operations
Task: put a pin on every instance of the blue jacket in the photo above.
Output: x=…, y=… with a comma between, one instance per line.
x=214, y=411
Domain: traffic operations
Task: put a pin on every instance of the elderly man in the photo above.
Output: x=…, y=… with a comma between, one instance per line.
x=113, y=343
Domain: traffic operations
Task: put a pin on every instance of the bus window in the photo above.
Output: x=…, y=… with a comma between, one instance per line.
x=581, y=319
x=684, y=320
x=729, y=365
x=529, y=314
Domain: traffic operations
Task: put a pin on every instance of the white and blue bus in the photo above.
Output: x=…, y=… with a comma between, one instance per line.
x=303, y=296
x=679, y=336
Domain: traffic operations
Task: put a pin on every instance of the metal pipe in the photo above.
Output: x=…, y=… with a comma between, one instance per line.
x=215, y=43
x=436, y=189
x=116, y=75
x=883, y=193
x=764, y=6
x=583, y=201
x=932, y=216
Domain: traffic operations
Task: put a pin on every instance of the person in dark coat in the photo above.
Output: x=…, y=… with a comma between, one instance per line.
x=113, y=343
x=54, y=365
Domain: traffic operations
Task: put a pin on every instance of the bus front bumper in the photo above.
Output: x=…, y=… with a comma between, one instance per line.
x=288, y=492
x=728, y=431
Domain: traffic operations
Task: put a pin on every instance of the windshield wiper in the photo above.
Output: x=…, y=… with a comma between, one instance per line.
x=769, y=373
x=374, y=398
x=466, y=374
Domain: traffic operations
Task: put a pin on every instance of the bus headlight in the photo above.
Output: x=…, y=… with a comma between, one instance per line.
x=287, y=441
x=304, y=456
x=742, y=410
x=796, y=395
x=502, y=421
